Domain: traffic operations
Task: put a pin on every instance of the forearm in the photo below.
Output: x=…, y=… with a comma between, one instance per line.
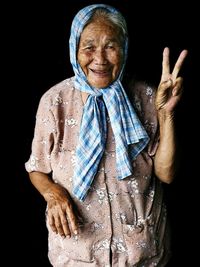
x=42, y=182
x=165, y=162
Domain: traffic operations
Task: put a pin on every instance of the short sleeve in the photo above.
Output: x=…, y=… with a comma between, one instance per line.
x=43, y=140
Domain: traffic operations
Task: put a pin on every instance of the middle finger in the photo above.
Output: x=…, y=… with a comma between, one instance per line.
x=178, y=64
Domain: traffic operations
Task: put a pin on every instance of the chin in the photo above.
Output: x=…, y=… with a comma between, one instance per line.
x=101, y=84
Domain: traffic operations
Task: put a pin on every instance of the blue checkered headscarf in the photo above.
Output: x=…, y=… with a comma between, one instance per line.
x=113, y=100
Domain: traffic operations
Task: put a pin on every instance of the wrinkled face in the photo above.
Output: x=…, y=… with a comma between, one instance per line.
x=100, y=53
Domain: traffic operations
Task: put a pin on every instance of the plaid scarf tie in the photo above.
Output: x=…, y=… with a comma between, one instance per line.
x=125, y=124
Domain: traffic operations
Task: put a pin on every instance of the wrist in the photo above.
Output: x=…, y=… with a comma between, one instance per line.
x=50, y=192
x=163, y=115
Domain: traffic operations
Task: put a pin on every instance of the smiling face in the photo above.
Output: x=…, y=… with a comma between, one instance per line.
x=100, y=53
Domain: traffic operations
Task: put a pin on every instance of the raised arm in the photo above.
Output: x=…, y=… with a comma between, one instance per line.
x=168, y=95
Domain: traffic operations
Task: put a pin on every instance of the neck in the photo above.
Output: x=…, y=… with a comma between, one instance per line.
x=84, y=96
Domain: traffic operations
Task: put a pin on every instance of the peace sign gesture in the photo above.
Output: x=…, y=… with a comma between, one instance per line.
x=170, y=87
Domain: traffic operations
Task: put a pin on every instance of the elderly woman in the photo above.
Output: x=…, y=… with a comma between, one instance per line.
x=100, y=162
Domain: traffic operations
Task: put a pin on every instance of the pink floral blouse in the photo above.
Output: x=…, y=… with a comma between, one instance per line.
x=123, y=223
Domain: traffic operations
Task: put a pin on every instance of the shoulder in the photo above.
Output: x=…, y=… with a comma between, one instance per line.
x=142, y=96
x=58, y=92
x=139, y=88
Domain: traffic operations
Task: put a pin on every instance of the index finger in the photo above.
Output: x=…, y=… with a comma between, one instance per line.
x=72, y=219
x=165, y=65
x=179, y=64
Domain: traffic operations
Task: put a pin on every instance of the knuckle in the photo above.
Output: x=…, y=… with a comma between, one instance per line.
x=69, y=206
x=51, y=224
x=64, y=220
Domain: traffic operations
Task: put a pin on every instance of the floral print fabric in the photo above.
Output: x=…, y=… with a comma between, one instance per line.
x=122, y=223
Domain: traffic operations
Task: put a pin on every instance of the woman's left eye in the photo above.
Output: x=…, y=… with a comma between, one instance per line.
x=89, y=48
x=110, y=47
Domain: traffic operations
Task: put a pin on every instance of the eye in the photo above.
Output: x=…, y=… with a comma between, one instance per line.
x=89, y=48
x=110, y=46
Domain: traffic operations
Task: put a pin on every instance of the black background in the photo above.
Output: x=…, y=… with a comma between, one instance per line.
x=37, y=57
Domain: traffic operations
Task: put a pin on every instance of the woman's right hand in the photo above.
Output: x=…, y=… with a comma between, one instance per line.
x=60, y=211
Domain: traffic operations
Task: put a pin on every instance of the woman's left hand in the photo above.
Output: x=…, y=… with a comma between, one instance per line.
x=170, y=88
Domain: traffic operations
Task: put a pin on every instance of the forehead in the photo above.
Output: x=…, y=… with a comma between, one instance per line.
x=97, y=29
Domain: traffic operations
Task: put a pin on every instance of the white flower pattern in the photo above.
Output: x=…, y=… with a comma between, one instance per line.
x=71, y=122
x=111, y=205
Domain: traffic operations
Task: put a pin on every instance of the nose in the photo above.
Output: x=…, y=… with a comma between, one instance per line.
x=100, y=57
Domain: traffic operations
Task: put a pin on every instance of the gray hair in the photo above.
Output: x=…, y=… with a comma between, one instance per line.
x=114, y=18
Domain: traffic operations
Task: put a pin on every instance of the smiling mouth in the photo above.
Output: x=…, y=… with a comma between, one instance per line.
x=100, y=73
